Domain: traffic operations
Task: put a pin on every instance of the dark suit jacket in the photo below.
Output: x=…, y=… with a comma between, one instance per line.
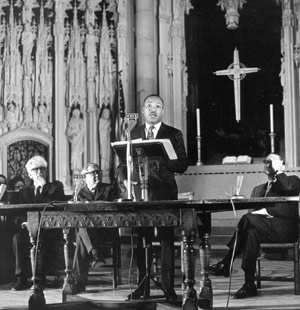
x=103, y=191
x=285, y=216
x=162, y=184
x=51, y=192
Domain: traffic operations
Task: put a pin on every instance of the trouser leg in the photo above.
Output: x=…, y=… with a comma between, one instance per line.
x=167, y=256
x=21, y=247
x=81, y=260
x=85, y=238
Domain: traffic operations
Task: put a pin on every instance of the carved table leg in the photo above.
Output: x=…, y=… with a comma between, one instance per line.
x=69, y=284
x=205, y=294
x=37, y=299
x=189, y=300
x=188, y=225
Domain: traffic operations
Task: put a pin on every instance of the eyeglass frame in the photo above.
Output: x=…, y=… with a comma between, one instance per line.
x=93, y=172
x=35, y=170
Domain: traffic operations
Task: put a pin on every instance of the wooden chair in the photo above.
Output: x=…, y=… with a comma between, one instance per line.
x=112, y=250
x=289, y=246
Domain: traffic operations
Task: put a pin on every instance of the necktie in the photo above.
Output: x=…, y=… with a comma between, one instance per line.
x=38, y=193
x=268, y=188
x=150, y=135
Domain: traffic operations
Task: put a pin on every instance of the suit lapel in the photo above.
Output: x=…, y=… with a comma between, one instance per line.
x=98, y=192
x=86, y=193
x=142, y=132
x=160, y=133
x=44, y=190
x=261, y=190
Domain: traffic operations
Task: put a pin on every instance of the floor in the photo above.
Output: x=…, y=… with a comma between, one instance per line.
x=273, y=295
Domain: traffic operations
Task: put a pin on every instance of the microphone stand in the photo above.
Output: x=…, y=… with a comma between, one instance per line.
x=132, y=120
x=129, y=164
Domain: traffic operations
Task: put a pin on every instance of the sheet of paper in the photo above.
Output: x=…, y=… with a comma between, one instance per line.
x=262, y=211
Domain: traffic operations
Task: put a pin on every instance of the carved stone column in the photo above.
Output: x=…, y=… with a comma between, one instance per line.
x=177, y=33
x=93, y=153
x=165, y=72
x=27, y=100
x=61, y=152
x=290, y=109
x=146, y=50
x=126, y=52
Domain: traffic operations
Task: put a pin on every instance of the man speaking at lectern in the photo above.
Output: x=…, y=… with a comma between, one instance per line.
x=162, y=186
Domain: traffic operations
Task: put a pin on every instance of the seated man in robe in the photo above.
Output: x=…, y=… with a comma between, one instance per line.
x=87, y=239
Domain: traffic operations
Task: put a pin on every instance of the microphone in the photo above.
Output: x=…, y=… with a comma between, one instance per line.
x=239, y=183
x=131, y=120
x=79, y=180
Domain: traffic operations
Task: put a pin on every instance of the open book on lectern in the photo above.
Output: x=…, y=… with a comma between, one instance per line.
x=152, y=149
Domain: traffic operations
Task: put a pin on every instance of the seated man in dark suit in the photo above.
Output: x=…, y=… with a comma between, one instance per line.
x=39, y=191
x=279, y=223
x=87, y=240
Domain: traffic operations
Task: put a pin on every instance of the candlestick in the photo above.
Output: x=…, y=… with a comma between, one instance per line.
x=272, y=137
x=198, y=122
x=199, y=162
x=271, y=118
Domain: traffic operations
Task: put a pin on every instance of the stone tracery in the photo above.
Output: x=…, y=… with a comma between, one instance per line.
x=56, y=54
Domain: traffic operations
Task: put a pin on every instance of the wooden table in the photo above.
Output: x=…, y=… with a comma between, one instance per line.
x=180, y=213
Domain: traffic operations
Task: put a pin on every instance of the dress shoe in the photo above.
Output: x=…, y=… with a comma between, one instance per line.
x=139, y=293
x=171, y=294
x=98, y=261
x=80, y=287
x=247, y=290
x=219, y=269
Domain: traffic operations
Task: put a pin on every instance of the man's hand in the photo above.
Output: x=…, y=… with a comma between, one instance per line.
x=278, y=166
x=273, y=165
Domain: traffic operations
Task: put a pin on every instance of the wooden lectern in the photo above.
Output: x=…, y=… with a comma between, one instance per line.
x=143, y=153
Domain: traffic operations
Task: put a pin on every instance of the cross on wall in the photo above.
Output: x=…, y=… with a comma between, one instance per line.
x=236, y=72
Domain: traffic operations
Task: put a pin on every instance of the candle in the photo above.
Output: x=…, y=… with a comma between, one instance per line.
x=198, y=122
x=271, y=118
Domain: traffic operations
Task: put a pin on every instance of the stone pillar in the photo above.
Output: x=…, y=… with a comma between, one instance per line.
x=146, y=50
x=179, y=66
x=176, y=34
x=126, y=53
x=165, y=59
x=62, y=172
x=92, y=128
x=27, y=100
x=289, y=102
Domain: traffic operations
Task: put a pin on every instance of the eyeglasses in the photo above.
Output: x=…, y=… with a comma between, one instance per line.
x=267, y=161
x=35, y=170
x=93, y=173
